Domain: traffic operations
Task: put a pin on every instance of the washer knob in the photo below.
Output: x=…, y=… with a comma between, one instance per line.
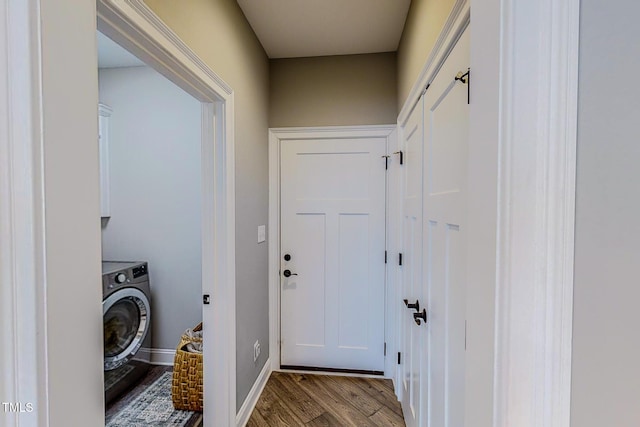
x=120, y=278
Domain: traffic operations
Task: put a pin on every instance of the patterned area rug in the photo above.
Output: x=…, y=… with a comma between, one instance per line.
x=151, y=406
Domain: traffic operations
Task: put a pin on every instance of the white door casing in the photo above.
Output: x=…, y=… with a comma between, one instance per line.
x=446, y=138
x=24, y=333
x=394, y=278
x=133, y=25
x=411, y=338
x=333, y=227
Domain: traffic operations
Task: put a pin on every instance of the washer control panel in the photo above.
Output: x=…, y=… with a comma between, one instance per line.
x=124, y=275
x=139, y=271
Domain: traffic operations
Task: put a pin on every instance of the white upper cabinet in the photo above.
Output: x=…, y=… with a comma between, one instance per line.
x=104, y=117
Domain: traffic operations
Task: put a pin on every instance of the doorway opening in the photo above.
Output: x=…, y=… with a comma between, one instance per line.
x=328, y=209
x=150, y=175
x=134, y=27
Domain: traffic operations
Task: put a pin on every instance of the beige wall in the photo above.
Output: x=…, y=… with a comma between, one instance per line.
x=424, y=23
x=218, y=32
x=333, y=90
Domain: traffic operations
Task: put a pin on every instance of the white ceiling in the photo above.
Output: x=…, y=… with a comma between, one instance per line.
x=112, y=55
x=299, y=28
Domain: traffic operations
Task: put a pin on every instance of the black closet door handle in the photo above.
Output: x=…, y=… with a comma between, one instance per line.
x=288, y=273
x=420, y=317
x=415, y=306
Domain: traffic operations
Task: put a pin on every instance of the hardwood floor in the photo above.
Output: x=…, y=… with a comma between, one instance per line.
x=323, y=400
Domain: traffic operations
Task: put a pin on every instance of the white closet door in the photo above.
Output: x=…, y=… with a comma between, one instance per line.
x=412, y=338
x=446, y=136
x=435, y=140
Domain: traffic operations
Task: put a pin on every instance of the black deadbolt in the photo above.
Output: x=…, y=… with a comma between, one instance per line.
x=287, y=257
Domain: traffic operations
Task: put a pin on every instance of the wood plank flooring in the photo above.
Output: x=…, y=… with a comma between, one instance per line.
x=292, y=399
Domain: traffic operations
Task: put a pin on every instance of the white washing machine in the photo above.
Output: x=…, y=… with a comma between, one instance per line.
x=126, y=310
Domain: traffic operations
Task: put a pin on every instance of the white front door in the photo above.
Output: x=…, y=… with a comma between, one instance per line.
x=332, y=253
x=412, y=337
x=446, y=136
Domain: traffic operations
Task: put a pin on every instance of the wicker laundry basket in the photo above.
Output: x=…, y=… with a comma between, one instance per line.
x=186, y=388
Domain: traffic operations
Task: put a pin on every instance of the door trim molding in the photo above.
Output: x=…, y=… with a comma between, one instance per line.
x=23, y=336
x=276, y=135
x=136, y=27
x=536, y=213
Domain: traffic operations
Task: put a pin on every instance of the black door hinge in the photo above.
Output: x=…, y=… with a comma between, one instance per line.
x=206, y=299
x=465, y=79
x=385, y=349
x=400, y=259
x=386, y=162
x=385, y=257
x=468, y=86
x=401, y=156
x=399, y=359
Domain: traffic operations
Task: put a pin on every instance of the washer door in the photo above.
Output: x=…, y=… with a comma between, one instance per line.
x=126, y=324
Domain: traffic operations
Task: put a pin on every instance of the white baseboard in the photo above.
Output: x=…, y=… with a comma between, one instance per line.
x=254, y=394
x=158, y=356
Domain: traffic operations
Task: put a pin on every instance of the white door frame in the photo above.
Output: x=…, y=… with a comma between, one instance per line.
x=522, y=201
x=137, y=28
x=276, y=136
x=536, y=211
x=23, y=335
x=523, y=126
x=22, y=259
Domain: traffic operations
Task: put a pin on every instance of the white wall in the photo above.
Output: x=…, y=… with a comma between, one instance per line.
x=155, y=192
x=72, y=207
x=606, y=337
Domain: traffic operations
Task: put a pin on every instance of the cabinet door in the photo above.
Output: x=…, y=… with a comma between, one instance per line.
x=104, y=117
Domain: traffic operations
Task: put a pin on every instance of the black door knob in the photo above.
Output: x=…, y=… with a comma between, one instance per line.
x=420, y=317
x=287, y=257
x=416, y=306
x=288, y=273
